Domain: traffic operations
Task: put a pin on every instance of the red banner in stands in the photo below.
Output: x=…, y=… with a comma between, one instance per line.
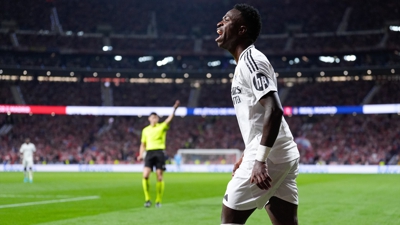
x=59, y=110
x=184, y=111
x=33, y=109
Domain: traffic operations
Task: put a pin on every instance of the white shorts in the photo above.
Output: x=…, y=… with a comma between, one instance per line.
x=28, y=163
x=242, y=195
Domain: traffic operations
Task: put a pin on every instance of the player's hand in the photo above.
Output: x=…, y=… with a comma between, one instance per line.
x=177, y=103
x=260, y=176
x=139, y=158
x=236, y=166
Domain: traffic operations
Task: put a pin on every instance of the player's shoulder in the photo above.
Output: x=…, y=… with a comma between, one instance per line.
x=259, y=57
x=253, y=59
x=146, y=128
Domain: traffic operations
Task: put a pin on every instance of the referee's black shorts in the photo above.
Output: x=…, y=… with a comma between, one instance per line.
x=155, y=158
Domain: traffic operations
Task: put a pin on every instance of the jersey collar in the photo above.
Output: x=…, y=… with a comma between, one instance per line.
x=241, y=54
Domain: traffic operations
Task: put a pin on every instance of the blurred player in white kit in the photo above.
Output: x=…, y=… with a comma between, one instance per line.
x=27, y=149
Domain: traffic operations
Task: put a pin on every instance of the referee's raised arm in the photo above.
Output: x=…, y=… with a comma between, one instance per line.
x=170, y=117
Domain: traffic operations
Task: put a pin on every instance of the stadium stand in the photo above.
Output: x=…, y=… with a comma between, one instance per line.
x=37, y=93
x=388, y=93
x=45, y=36
x=6, y=94
x=155, y=94
x=80, y=139
x=347, y=139
x=329, y=93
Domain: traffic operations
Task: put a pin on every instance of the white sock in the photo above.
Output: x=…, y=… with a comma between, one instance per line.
x=30, y=175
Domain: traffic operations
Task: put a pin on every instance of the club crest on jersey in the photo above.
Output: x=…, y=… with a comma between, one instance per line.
x=260, y=82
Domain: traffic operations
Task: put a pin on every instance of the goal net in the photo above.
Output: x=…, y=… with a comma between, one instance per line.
x=209, y=156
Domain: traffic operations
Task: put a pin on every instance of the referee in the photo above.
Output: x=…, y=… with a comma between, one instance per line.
x=153, y=143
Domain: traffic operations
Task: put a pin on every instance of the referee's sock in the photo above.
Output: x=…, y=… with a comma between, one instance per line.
x=160, y=191
x=146, y=189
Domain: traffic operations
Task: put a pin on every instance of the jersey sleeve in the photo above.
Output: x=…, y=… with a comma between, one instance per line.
x=21, y=150
x=262, y=79
x=33, y=148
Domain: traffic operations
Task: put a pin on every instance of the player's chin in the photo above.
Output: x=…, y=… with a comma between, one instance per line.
x=220, y=44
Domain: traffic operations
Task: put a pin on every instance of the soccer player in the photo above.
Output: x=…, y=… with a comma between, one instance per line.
x=265, y=176
x=152, y=148
x=27, y=149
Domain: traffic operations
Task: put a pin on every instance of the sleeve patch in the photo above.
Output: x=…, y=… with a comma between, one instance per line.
x=260, y=82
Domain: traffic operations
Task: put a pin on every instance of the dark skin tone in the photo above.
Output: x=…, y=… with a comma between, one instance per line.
x=271, y=127
x=233, y=37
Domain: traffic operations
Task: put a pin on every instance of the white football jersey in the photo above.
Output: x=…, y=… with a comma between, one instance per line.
x=27, y=150
x=254, y=77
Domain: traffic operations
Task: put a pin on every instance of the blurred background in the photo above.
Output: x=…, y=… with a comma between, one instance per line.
x=150, y=53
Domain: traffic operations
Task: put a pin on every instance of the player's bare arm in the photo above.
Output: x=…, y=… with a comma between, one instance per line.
x=142, y=149
x=237, y=164
x=272, y=123
x=170, y=117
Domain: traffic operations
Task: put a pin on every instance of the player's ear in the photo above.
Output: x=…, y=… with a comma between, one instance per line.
x=242, y=30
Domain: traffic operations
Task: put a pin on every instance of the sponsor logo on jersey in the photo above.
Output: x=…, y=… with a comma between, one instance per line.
x=235, y=91
x=236, y=100
x=260, y=82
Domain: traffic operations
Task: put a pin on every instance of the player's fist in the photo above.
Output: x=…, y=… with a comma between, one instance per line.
x=177, y=103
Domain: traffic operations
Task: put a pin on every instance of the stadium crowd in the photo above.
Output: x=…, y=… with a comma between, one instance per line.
x=177, y=17
x=329, y=93
x=189, y=64
x=291, y=29
x=89, y=139
x=38, y=93
x=340, y=139
x=348, y=139
x=359, y=139
x=215, y=94
x=71, y=35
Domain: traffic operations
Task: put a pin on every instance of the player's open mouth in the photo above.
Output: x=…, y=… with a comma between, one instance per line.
x=220, y=35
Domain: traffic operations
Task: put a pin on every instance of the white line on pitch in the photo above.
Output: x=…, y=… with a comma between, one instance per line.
x=49, y=202
x=34, y=196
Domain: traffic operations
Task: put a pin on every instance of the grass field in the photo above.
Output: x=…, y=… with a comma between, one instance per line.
x=190, y=198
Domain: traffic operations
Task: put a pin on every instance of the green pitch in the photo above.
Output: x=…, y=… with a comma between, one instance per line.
x=190, y=198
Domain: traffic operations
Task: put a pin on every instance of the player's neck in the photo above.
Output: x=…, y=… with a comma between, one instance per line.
x=238, y=50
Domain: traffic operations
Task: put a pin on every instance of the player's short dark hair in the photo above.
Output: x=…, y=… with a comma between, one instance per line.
x=252, y=19
x=153, y=113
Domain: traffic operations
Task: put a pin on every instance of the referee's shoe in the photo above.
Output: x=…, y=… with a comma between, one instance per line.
x=147, y=204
